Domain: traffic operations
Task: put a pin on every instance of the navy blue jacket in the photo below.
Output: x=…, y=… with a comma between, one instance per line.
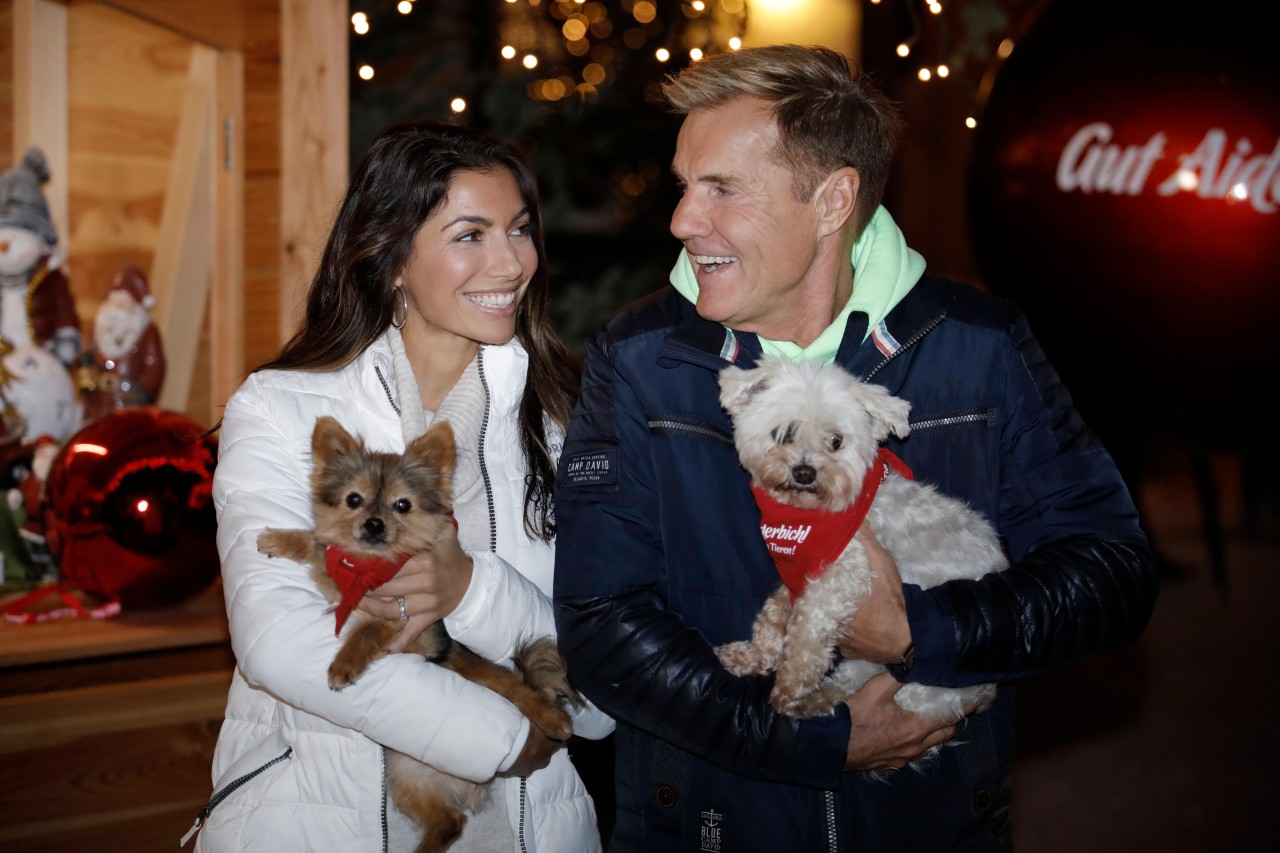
x=660, y=558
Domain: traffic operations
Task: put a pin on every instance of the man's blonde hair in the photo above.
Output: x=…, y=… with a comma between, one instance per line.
x=826, y=116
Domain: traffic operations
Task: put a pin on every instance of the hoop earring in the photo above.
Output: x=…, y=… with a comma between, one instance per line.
x=404, y=307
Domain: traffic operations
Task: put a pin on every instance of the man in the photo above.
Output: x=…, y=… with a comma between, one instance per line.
x=784, y=160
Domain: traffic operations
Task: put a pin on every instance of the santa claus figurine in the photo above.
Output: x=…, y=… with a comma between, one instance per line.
x=36, y=305
x=128, y=358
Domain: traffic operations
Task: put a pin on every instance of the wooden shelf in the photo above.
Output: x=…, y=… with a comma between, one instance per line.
x=201, y=621
x=107, y=727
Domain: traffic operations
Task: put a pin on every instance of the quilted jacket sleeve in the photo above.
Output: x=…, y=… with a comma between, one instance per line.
x=503, y=608
x=1082, y=580
x=282, y=630
x=635, y=658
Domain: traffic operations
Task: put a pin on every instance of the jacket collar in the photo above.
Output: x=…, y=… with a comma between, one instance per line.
x=697, y=341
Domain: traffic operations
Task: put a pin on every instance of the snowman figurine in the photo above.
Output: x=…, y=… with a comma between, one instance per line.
x=39, y=329
x=36, y=305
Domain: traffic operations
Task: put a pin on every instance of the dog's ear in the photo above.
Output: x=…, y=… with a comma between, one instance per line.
x=330, y=441
x=738, y=386
x=889, y=414
x=435, y=448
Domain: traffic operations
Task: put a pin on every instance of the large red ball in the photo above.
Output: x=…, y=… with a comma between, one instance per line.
x=128, y=509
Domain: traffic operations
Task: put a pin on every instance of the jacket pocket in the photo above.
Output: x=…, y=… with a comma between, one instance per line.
x=272, y=752
x=689, y=427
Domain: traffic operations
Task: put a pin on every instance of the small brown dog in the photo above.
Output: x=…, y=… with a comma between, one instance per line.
x=373, y=511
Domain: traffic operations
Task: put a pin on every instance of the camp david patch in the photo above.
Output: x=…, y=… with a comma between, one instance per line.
x=592, y=468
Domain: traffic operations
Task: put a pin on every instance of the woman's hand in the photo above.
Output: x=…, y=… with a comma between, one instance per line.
x=430, y=584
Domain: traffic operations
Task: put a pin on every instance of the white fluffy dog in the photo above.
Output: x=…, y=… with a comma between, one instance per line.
x=810, y=436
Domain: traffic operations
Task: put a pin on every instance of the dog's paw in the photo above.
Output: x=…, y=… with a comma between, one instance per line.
x=556, y=724
x=269, y=542
x=294, y=544
x=341, y=676
x=740, y=658
x=545, y=672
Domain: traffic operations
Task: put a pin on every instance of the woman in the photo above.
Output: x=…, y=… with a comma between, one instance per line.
x=430, y=302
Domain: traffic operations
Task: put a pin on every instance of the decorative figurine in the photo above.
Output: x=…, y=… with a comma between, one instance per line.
x=36, y=305
x=128, y=356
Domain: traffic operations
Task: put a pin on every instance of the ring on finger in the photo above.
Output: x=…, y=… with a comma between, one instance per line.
x=404, y=617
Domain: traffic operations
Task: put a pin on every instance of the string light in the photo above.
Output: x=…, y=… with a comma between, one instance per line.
x=931, y=41
x=577, y=46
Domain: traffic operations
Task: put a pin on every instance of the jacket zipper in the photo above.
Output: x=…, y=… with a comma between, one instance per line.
x=705, y=432
x=915, y=339
x=524, y=796
x=386, y=389
x=229, y=789
x=829, y=805
x=386, y=832
x=484, y=469
x=931, y=423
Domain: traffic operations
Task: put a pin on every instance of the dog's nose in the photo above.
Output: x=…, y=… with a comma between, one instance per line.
x=804, y=474
x=374, y=526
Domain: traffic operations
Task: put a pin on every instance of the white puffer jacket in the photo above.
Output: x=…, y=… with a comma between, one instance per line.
x=299, y=767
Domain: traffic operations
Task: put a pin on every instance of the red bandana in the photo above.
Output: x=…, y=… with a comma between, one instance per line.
x=357, y=575
x=803, y=542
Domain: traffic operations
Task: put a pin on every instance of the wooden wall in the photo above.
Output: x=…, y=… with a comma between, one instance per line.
x=132, y=68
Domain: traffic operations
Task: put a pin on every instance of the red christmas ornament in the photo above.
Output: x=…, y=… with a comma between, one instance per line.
x=128, y=509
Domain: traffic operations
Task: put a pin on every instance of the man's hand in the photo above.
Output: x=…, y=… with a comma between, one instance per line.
x=885, y=737
x=535, y=755
x=431, y=583
x=879, y=631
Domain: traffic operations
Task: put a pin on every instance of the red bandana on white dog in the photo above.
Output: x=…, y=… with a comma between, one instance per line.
x=803, y=542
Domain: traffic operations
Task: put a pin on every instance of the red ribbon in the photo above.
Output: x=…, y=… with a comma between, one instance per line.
x=803, y=542
x=24, y=609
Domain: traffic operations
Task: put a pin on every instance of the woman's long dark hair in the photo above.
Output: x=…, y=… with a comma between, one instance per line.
x=403, y=178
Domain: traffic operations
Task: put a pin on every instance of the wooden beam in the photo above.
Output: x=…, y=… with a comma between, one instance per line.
x=182, y=266
x=40, y=96
x=226, y=299
x=314, y=130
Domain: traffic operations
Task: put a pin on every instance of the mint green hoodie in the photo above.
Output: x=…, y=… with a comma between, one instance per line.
x=884, y=269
